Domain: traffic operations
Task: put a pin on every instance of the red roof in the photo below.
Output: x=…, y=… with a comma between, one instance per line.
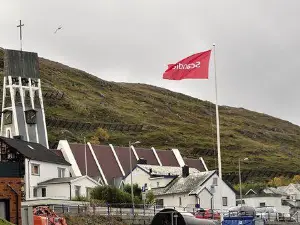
x=167, y=158
x=148, y=155
x=123, y=155
x=108, y=162
x=78, y=152
x=195, y=163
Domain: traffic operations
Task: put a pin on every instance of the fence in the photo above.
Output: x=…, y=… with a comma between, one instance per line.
x=143, y=214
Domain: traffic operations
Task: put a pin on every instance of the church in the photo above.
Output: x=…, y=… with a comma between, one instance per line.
x=71, y=170
x=24, y=138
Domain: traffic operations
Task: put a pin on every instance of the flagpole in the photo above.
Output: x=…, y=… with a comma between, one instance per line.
x=218, y=132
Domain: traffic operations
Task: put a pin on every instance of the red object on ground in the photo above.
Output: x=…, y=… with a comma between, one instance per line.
x=207, y=214
x=43, y=215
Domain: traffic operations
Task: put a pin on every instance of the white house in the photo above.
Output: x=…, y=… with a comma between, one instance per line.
x=69, y=187
x=191, y=188
x=153, y=176
x=262, y=200
x=46, y=173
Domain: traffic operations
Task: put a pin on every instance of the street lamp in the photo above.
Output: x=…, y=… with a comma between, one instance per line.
x=240, y=178
x=131, y=183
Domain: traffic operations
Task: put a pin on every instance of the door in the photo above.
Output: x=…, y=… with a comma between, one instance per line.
x=4, y=209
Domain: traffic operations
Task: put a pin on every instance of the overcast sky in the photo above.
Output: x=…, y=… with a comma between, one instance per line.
x=257, y=44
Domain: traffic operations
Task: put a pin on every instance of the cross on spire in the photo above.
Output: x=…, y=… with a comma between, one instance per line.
x=20, y=26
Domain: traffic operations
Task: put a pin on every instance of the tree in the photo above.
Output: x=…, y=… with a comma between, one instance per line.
x=279, y=181
x=100, y=136
x=150, y=198
x=296, y=179
x=137, y=191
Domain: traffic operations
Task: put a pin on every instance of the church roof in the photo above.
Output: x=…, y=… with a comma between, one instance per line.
x=123, y=156
x=34, y=151
x=78, y=152
x=194, y=163
x=167, y=158
x=148, y=155
x=108, y=162
x=112, y=163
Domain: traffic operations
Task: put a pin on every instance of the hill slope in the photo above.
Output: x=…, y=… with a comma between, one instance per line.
x=171, y=120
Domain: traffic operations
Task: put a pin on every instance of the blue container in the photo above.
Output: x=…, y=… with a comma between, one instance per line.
x=239, y=220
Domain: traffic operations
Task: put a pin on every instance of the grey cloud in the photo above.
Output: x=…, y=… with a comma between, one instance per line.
x=133, y=41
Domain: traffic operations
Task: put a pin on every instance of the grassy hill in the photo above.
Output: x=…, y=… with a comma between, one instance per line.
x=171, y=120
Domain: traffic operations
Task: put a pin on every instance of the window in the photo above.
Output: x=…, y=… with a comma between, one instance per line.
x=61, y=172
x=224, y=201
x=157, y=184
x=35, y=192
x=77, y=191
x=262, y=204
x=43, y=192
x=159, y=203
x=8, y=133
x=215, y=181
x=35, y=169
x=180, y=203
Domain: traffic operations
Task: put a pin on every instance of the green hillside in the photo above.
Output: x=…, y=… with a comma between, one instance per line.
x=171, y=120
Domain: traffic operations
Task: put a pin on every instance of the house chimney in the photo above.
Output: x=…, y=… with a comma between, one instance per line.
x=185, y=171
x=142, y=161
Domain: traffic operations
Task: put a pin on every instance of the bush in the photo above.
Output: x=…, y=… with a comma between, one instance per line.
x=80, y=198
x=110, y=194
x=137, y=191
x=113, y=195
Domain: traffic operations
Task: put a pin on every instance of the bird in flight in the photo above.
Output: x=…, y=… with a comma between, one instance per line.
x=60, y=27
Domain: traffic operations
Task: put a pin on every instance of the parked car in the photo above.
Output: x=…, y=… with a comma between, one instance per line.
x=207, y=214
x=267, y=213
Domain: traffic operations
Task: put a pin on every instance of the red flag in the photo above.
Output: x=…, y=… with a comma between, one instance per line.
x=192, y=67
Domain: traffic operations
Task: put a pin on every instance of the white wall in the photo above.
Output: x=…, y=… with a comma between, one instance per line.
x=64, y=146
x=47, y=171
x=173, y=200
x=58, y=191
x=140, y=177
x=84, y=183
x=269, y=201
x=206, y=200
x=204, y=196
x=226, y=192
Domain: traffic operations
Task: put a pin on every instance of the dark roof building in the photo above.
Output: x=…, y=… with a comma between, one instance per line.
x=111, y=164
x=34, y=151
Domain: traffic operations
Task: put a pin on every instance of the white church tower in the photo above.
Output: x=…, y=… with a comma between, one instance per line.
x=22, y=105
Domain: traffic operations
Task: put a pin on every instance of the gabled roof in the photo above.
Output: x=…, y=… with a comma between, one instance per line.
x=190, y=184
x=34, y=151
x=112, y=162
x=165, y=170
x=108, y=162
x=167, y=158
x=58, y=180
x=66, y=180
x=148, y=155
x=195, y=163
x=78, y=151
x=279, y=190
x=123, y=156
